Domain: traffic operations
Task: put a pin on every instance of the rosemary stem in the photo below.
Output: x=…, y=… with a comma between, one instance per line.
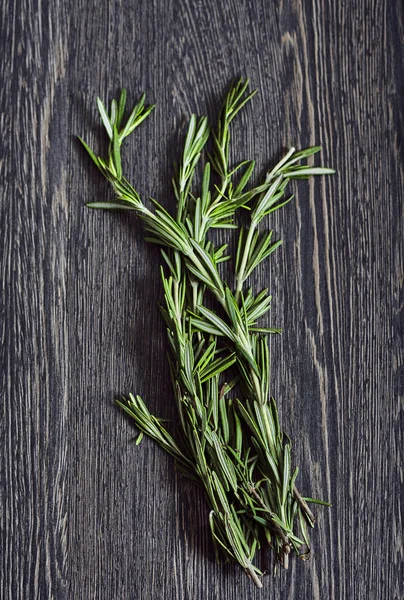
x=251, y=573
x=304, y=505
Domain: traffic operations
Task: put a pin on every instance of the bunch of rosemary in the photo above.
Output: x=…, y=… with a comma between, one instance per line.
x=228, y=436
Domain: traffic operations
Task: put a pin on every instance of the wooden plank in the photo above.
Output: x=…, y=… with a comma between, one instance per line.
x=85, y=513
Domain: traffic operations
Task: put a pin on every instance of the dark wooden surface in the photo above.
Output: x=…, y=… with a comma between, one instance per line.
x=85, y=514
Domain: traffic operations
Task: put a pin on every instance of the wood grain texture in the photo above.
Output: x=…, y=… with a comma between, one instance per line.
x=84, y=513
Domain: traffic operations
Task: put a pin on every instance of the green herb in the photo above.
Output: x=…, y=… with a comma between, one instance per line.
x=228, y=437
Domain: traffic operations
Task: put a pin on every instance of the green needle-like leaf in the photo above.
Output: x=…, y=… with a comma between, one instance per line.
x=105, y=118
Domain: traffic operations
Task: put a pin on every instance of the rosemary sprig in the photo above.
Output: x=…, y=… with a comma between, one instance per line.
x=228, y=437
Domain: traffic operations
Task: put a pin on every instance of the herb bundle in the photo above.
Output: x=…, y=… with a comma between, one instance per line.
x=228, y=437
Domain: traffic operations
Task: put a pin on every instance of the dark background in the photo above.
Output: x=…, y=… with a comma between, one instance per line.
x=85, y=514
